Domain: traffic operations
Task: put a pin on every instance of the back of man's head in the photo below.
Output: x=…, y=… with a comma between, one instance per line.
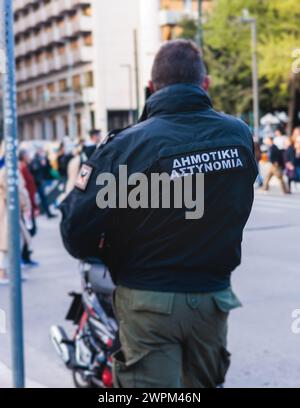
x=178, y=61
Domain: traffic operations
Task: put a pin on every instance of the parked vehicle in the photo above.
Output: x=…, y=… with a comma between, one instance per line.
x=89, y=353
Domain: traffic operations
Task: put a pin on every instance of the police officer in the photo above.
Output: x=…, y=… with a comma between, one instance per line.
x=173, y=274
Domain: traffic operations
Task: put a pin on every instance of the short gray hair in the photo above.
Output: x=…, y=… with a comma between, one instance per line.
x=178, y=61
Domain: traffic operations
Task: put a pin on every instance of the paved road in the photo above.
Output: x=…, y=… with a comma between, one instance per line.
x=265, y=352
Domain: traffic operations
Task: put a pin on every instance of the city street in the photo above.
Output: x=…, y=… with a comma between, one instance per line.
x=265, y=352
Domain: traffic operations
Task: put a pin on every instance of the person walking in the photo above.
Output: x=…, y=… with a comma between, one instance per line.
x=25, y=209
x=29, y=218
x=40, y=169
x=276, y=168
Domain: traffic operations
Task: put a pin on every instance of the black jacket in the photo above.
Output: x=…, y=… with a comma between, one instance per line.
x=158, y=249
x=276, y=156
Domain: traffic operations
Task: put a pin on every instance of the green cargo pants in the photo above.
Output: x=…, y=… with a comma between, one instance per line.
x=172, y=340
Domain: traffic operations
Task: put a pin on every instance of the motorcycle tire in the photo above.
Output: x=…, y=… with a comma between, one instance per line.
x=80, y=381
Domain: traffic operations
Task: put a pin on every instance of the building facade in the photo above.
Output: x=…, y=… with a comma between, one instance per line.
x=83, y=64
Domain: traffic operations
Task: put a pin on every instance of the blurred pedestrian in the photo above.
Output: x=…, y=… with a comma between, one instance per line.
x=90, y=146
x=292, y=164
x=295, y=134
x=81, y=154
x=277, y=166
x=30, y=219
x=74, y=167
x=258, y=157
x=41, y=170
x=297, y=158
x=25, y=209
x=63, y=160
x=280, y=138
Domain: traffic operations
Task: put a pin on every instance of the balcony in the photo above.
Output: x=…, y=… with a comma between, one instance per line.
x=41, y=40
x=56, y=101
x=30, y=45
x=64, y=5
x=42, y=67
x=81, y=24
x=19, y=5
x=53, y=8
x=55, y=34
x=21, y=74
x=54, y=63
x=83, y=55
x=76, y=3
x=40, y=15
x=65, y=30
x=29, y=21
x=19, y=26
x=20, y=49
x=57, y=63
x=32, y=71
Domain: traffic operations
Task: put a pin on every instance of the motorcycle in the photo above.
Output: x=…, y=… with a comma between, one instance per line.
x=89, y=353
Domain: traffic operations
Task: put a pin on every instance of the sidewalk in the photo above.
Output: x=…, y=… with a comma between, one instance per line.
x=6, y=379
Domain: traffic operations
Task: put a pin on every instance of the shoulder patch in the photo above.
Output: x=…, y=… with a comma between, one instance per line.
x=84, y=177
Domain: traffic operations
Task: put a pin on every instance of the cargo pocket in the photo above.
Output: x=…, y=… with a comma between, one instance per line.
x=153, y=302
x=224, y=364
x=126, y=374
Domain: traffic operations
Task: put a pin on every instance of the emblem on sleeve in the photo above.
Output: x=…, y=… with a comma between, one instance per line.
x=84, y=177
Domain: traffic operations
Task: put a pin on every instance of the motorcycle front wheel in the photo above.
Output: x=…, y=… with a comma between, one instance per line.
x=80, y=381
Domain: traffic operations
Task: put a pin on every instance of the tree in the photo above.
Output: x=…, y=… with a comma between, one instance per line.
x=228, y=53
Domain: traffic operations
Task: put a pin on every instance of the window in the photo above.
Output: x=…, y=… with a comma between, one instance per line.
x=88, y=11
x=54, y=129
x=74, y=44
x=78, y=123
x=20, y=98
x=29, y=96
x=51, y=88
x=117, y=119
x=63, y=85
x=76, y=82
x=89, y=79
x=66, y=125
x=40, y=93
x=88, y=40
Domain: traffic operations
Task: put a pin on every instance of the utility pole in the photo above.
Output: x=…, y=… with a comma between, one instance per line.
x=137, y=71
x=13, y=206
x=72, y=104
x=246, y=19
x=255, y=78
x=200, y=25
x=130, y=85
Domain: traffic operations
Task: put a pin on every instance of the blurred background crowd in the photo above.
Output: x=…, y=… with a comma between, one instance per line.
x=47, y=172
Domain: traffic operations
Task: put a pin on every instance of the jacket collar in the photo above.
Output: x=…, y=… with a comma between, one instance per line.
x=177, y=98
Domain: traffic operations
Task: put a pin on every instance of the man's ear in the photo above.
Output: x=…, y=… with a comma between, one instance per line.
x=151, y=87
x=206, y=83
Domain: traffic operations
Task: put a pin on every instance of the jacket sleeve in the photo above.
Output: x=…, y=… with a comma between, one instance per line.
x=83, y=223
